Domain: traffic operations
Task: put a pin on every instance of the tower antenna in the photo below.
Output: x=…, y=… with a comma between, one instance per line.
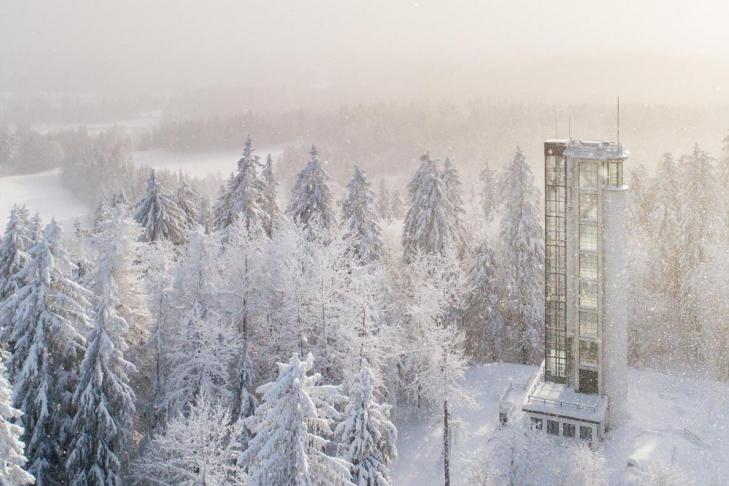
x=556, y=126
x=569, y=127
x=618, y=120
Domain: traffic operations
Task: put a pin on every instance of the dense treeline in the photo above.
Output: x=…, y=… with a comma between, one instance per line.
x=279, y=331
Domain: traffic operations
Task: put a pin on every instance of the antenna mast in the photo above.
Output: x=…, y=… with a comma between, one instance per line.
x=618, y=120
x=569, y=127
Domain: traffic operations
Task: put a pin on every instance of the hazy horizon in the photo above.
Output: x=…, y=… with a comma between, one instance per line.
x=357, y=51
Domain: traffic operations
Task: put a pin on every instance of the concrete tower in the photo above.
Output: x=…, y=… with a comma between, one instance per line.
x=582, y=387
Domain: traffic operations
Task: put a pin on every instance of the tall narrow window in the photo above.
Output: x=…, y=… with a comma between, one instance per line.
x=588, y=295
x=588, y=175
x=588, y=236
x=588, y=266
x=588, y=207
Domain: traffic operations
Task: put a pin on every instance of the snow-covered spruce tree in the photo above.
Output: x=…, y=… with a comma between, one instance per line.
x=188, y=200
x=429, y=225
x=489, y=193
x=311, y=198
x=119, y=250
x=14, y=251
x=12, y=459
x=522, y=252
x=243, y=196
x=103, y=399
x=360, y=220
x=195, y=449
x=384, y=202
x=453, y=186
x=159, y=215
x=42, y=324
x=484, y=324
x=366, y=437
x=268, y=200
x=288, y=427
x=699, y=226
x=397, y=206
x=656, y=266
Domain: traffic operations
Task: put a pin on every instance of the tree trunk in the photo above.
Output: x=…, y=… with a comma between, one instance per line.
x=446, y=446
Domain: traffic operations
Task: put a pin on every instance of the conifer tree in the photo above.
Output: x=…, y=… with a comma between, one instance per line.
x=453, y=186
x=484, y=324
x=311, y=198
x=288, y=446
x=366, y=436
x=522, y=240
x=159, y=215
x=268, y=202
x=12, y=459
x=103, y=399
x=489, y=193
x=360, y=219
x=384, y=202
x=397, y=206
x=429, y=226
x=188, y=201
x=41, y=323
x=14, y=251
x=243, y=196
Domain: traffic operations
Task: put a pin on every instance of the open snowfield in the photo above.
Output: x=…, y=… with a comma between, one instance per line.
x=42, y=193
x=673, y=421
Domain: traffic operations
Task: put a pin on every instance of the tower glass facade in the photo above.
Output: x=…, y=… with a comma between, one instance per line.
x=576, y=173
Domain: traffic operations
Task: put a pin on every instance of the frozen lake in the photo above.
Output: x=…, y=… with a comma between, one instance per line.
x=42, y=193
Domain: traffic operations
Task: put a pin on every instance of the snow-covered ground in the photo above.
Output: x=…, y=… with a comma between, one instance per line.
x=200, y=164
x=42, y=193
x=673, y=420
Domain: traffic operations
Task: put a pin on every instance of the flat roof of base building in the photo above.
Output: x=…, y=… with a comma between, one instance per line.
x=586, y=149
x=560, y=400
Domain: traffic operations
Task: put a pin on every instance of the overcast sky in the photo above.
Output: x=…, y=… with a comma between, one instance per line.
x=661, y=50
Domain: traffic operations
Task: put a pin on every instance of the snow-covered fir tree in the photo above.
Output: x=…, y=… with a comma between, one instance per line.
x=359, y=217
x=268, y=200
x=489, y=193
x=366, y=436
x=42, y=325
x=522, y=241
x=288, y=427
x=397, y=206
x=311, y=199
x=117, y=246
x=484, y=324
x=195, y=449
x=453, y=186
x=12, y=458
x=384, y=202
x=159, y=215
x=243, y=196
x=429, y=225
x=14, y=250
x=188, y=200
x=103, y=399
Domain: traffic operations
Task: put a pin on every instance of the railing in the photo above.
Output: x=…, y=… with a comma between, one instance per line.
x=562, y=404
